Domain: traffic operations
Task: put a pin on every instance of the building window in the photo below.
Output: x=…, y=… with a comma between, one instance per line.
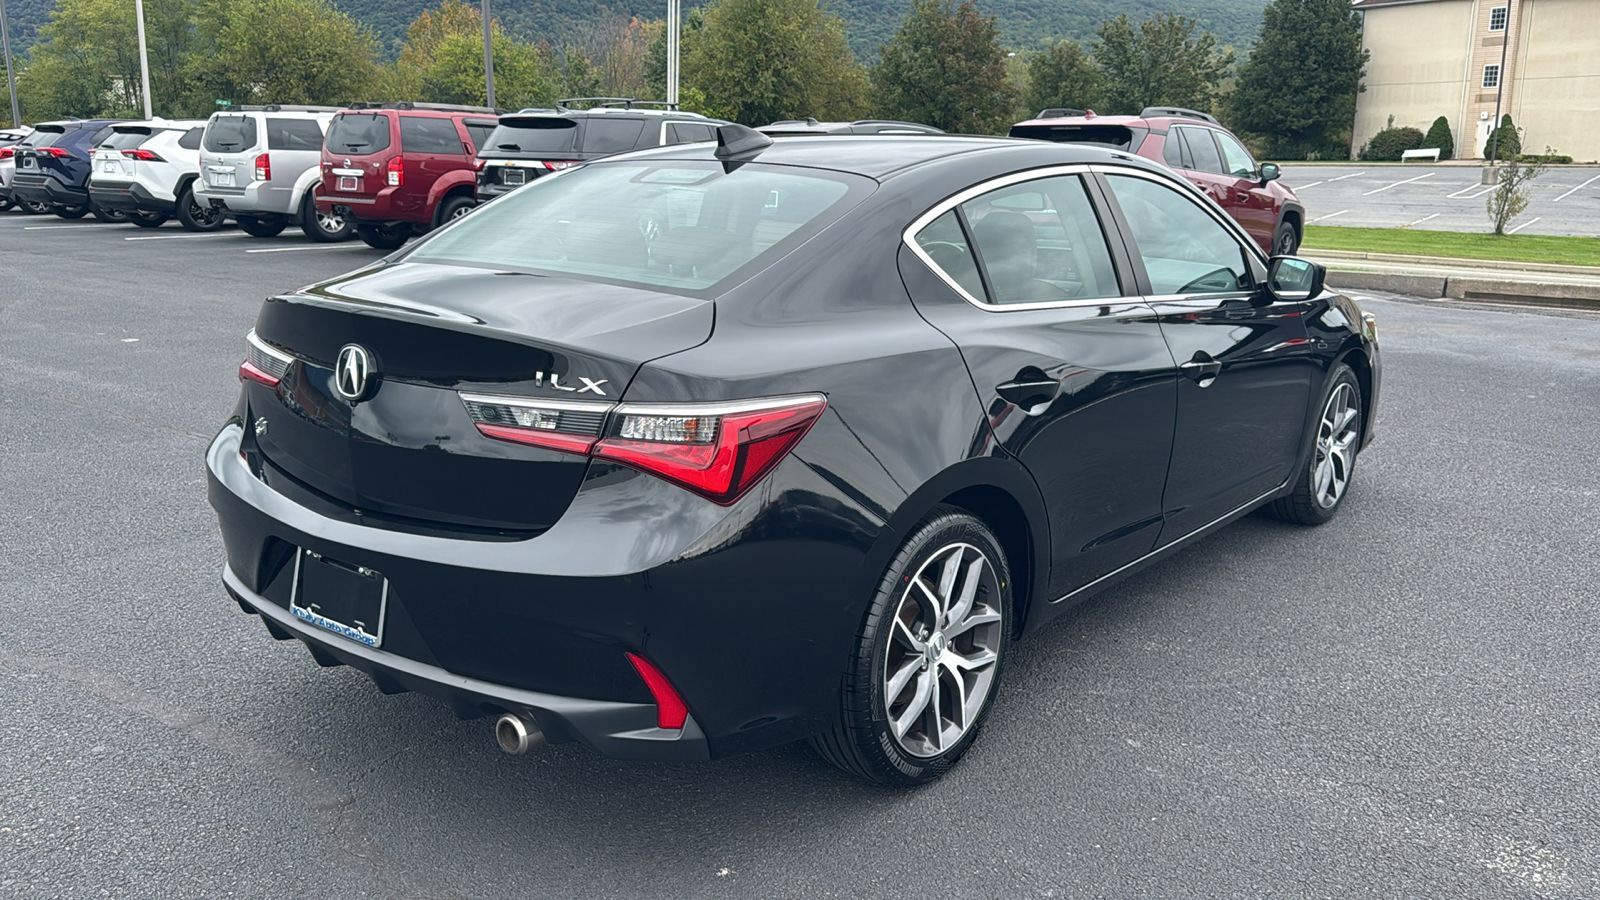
x=1491, y=76
x=1497, y=18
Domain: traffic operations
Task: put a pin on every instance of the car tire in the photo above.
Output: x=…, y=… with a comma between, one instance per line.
x=454, y=208
x=324, y=227
x=383, y=237
x=891, y=727
x=1285, y=239
x=33, y=207
x=72, y=212
x=1323, y=483
x=108, y=215
x=262, y=226
x=194, y=217
x=148, y=219
x=7, y=202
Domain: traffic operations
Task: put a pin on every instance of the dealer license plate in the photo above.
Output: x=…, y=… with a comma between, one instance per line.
x=27, y=162
x=511, y=176
x=349, y=182
x=348, y=600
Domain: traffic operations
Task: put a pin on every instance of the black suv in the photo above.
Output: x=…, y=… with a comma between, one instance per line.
x=535, y=142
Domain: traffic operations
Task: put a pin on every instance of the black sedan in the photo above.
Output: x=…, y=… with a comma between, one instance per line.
x=701, y=450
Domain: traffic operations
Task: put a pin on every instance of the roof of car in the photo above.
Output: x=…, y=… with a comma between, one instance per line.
x=880, y=155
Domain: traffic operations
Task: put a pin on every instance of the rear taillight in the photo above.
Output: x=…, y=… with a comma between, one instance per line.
x=477, y=165
x=397, y=172
x=142, y=155
x=263, y=167
x=263, y=362
x=57, y=152
x=717, y=450
x=671, y=711
x=6, y=152
x=556, y=166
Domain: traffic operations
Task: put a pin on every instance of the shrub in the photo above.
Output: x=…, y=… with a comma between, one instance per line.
x=1439, y=136
x=1388, y=144
x=1510, y=143
x=1545, y=158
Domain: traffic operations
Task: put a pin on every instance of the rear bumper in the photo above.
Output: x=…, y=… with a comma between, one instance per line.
x=258, y=198
x=388, y=206
x=130, y=197
x=44, y=189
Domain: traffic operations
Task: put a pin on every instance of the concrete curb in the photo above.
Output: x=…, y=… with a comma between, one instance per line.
x=1483, y=290
x=1454, y=261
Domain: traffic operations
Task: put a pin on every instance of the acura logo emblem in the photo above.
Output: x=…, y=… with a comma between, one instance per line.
x=353, y=372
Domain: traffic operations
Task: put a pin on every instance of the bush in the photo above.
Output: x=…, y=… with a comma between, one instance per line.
x=1545, y=158
x=1510, y=143
x=1388, y=144
x=1439, y=136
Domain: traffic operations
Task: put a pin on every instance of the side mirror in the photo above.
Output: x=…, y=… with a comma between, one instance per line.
x=1270, y=172
x=1291, y=279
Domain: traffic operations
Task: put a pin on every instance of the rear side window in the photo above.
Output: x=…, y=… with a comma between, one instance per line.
x=426, y=135
x=1203, y=155
x=533, y=136
x=293, y=134
x=687, y=132
x=947, y=248
x=230, y=134
x=191, y=138
x=480, y=132
x=612, y=135
x=124, y=140
x=100, y=137
x=1173, y=153
x=674, y=224
x=358, y=133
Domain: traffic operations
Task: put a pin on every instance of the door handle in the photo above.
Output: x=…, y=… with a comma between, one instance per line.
x=1203, y=368
x=1244, y=198
x=1029, y=388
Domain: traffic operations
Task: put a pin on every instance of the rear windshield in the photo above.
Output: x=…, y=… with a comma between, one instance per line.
x=43, y=138
x=358, y=133
x=672, y=224
x=532, y=138
x=230, y=134
x=1119, y=136
x=126, y=140
x=293, y=134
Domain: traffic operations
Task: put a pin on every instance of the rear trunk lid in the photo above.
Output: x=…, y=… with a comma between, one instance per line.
x=34, y=159
x=409, y=451
x=523, y=148
x=111, y=164
x=355, y=155
x=228, y=152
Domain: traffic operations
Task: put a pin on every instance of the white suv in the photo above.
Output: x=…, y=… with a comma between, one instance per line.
x=261, y=165
x=141, y=169
x=9, y=138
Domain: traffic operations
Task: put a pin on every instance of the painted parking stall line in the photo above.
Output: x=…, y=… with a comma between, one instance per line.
x=1329, y=216
x=1398, y=183
x=1523, y=225
x=180, y=237
x=298, y=249
x=1351, y=175
x=1304, y=186
x=1420, y=221
x=1479, y=189
x=1576, y=189
x=54, y=227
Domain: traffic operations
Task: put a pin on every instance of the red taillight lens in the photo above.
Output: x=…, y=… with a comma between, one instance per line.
x=263, y=363
x=142, y=155
x=6, y=152
x=57, y=152
x=397, y=172
x=718, y=450
x=263, y=167
x=557, y=166
x=671, y=711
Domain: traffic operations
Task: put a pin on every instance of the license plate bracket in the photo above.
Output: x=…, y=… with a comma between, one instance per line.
x=222, y=179
x=512, y=176
x=350, y=601
x=349, y=183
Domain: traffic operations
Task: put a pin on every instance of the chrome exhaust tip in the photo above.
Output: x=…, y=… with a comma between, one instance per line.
x=517, y=733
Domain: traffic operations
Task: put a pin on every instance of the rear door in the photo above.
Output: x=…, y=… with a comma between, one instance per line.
x=1249, y=201
x=1203, y=162
x=433, y=148
x=227, y=155
x=1070, y=363
x=1245, y=358
x=294, y=144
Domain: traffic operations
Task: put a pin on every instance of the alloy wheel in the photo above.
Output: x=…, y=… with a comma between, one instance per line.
x=943, y=651
x=204, y=216
x=1336, y=447
x=330, y=223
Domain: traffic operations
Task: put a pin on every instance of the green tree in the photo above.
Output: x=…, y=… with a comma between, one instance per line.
x=1504, y=142
x=87, y=61
x=756, y=61
x=1161, y=63
x=579, y=76
x=282, y=51
x=1509, y=198
x=1063, y=75
x=1439, y=136
x=945, y=68
x=456, y=76
x=1297, y=91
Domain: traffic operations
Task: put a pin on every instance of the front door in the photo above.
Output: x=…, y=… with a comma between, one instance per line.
x=1070, y=364
x=1246, y=362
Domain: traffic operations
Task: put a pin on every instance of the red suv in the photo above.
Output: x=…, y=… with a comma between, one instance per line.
x=1195, y=146
x=399, y=169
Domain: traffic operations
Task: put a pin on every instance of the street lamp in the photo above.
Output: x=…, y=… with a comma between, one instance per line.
x=144, y=58
x=674, y=30
x=488, y=58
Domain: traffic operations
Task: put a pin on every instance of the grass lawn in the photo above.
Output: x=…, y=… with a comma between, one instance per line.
x=1530, y=248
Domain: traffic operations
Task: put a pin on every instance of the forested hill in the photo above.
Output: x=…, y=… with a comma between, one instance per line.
x=1024, y=24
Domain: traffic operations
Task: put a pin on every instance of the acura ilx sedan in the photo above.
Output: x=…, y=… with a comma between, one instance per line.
x=704, y=449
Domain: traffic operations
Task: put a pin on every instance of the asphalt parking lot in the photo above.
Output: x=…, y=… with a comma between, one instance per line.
x=1403, y=703
x=1565, y=200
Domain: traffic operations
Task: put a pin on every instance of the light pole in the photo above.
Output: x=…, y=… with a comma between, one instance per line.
x=11, y=80
x=674, y=29
x=144, y=58
x=488, y=58
x=1499, y=90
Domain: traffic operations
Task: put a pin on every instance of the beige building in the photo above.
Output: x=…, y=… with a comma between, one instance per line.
x=1540, y=59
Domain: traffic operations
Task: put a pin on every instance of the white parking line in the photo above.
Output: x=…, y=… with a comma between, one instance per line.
x=294, y=249
x=51, y=227
x=1351, y=175
x=1398, y=183
x=1481, y=190
x=1304, y=186
x=180, y=237
x=1576, y=189
x=1420, y=221
x=1524, y=225
x=1328, y=216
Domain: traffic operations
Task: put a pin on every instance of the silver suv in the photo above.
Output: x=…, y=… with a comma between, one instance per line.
x=260, y=165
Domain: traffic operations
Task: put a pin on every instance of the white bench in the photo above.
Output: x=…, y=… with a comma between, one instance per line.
x=1430, y=153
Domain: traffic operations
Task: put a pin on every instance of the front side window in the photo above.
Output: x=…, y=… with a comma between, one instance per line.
x=421, y=134
x=1040, y=241
x=1185, y=250
x=1491, y=76
x=673, y=224
x=1235, y=158
x=1497, y=18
